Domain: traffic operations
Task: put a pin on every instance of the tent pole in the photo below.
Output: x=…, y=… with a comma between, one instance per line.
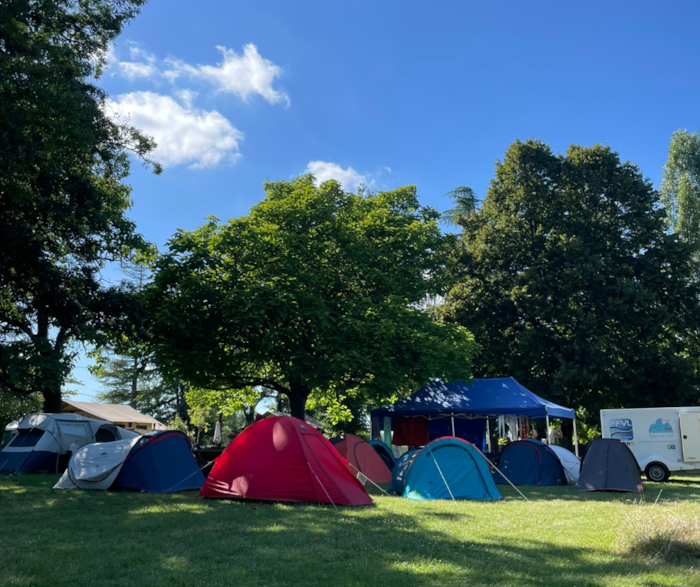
x=488, y=436
x=575, y=437
x=375, y=434
x=452, y=417
x=546, y=416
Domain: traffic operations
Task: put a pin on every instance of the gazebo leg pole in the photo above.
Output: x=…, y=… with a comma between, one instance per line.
x=387, y=432
x=575, y=438
x=452, y=417
x=488, y=436
x=546, y=435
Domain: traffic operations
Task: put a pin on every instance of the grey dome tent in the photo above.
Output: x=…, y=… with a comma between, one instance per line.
x=43, y=441
x=609, y=465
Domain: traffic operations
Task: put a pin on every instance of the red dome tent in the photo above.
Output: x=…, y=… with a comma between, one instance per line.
x=284, y=459
x=362, y=457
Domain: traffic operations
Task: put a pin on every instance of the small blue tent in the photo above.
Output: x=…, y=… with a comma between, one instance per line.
x=449, y=468
x=529, y=462
x=398, y=473
x=160, y=462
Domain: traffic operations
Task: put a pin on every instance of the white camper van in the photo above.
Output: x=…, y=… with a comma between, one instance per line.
x=661, y=439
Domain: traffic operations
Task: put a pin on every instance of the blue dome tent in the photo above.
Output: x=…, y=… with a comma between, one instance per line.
x=529, y=462
x=157, y=462
x=160, y=463
x=449, y=468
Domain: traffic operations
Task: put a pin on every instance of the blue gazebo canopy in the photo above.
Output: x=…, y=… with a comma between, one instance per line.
x=482, y=397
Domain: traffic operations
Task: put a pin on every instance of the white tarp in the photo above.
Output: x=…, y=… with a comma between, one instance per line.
x=569, y=461
x=96, y=466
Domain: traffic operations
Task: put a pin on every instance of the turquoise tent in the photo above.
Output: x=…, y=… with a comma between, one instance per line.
x=449, y=468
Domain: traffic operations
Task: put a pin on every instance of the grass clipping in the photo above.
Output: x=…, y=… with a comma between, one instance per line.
x=666, y=536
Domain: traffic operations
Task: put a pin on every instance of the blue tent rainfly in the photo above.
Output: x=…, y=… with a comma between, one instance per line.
x=460, y=409
x=482, y=397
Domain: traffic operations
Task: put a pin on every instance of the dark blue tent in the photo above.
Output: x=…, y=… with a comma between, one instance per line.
x=159, y=463
x=609, y=465
x=398, y=473
x=529, y=462
x=449, y=468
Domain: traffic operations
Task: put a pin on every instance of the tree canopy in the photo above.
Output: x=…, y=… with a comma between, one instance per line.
x=315, y=294
x=571, y=283
x=62, y=196
x=465, y=202
x=680, y=187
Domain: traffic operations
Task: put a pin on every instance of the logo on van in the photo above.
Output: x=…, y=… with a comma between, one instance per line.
x=661, y=429
x=621, y=428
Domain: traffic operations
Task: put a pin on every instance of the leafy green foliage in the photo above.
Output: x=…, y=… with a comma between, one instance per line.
x=465, y=202
x=571, y=284
x=62, y=200
x=15, y=406
x=125, y=363
x=680, y=187
x=133, y=378
x=314, y=295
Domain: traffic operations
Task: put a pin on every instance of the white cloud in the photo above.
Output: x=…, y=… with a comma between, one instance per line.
x=142, y=65
x=132, y=70
x=185, y=135
x=348, y=178
x=243, y=74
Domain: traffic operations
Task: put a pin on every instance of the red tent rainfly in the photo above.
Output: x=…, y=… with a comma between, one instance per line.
x=362, y=457
x=284, y=459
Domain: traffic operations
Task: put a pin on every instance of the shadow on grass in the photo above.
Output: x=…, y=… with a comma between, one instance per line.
x=122, y=539
x=319, y=546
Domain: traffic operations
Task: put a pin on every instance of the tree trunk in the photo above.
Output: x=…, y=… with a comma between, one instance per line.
x=297, y=401
x=52, y=398
x=567, y=431
x=134, y=383
x=52, y=372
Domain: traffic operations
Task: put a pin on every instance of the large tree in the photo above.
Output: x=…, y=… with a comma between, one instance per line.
x=571, y=283
x=62, y=196
x=125, y=361
x=680, y=188
x=316, y=294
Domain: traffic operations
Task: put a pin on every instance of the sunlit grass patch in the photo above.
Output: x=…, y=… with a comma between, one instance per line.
x=661, y=534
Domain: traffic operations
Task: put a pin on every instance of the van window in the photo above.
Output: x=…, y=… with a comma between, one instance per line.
x=26, y=438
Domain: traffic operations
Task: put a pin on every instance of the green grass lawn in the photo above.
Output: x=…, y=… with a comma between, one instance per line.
x=561, y=537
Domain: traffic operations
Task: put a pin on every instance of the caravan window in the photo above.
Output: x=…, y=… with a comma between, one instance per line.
x=26, y=438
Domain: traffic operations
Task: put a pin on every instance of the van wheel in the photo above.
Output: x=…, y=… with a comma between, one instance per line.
x=657, y=472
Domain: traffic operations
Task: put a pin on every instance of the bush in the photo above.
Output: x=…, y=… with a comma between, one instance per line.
x=664, y=537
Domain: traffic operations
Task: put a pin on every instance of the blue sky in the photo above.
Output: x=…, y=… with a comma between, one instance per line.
x=388, y=93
